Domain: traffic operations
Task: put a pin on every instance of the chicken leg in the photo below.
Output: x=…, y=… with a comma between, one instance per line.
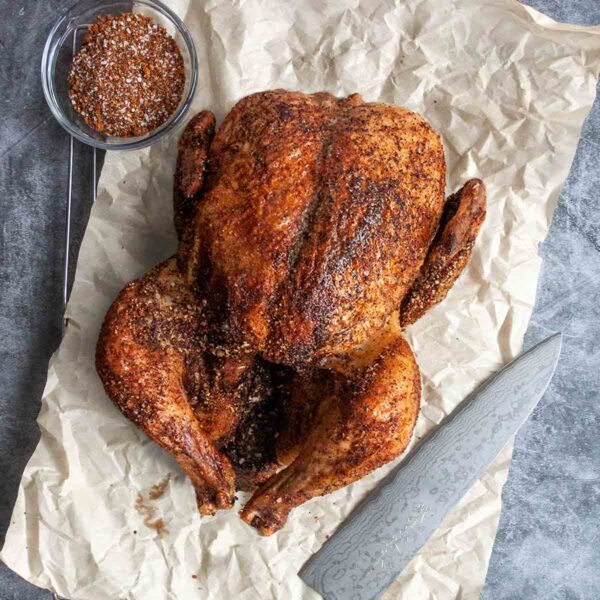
x=364, y=420
x=152, y=330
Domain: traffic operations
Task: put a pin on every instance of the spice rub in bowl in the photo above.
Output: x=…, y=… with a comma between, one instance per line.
x=128, y=77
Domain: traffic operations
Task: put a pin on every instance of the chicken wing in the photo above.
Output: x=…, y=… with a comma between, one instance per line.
x=449, y=253
x=191, y=168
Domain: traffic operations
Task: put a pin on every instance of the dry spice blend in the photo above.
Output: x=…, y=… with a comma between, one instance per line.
x=128, y=77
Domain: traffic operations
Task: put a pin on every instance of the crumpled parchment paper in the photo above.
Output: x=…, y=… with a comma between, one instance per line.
x=508, y=89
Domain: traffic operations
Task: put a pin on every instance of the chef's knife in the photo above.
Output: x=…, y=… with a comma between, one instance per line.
x=380, y=537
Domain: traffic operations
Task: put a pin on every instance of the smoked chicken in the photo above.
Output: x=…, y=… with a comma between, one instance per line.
x=268, y=354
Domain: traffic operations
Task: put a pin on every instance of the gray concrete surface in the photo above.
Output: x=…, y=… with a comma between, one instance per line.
x=548, y=544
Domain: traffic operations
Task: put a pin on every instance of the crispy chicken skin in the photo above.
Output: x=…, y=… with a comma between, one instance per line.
x=192, y=160
x=316, y=217
x=268, y=352
x=151, y=332
x=365, y=418
x=449, y=253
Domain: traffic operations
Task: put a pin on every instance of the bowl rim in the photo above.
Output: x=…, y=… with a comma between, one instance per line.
x=47, y=69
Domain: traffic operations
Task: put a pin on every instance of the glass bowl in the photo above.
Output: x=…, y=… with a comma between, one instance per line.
x=66, y=37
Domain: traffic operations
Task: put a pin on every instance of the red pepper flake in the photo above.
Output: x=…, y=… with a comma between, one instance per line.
x=128, y=77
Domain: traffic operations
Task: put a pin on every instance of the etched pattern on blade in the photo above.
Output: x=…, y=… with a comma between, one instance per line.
x=369, y=550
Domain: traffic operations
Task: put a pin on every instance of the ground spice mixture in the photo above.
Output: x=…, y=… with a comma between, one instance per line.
x=128, y=77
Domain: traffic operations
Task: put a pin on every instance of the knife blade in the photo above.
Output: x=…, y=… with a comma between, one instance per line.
x=380, y=537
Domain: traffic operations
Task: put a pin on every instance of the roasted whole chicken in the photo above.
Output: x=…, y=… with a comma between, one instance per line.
x=267, y=354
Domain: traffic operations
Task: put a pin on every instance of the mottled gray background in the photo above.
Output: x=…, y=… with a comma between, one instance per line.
x=548, y=544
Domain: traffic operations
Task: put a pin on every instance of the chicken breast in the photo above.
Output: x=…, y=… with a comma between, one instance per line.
x=315, y=220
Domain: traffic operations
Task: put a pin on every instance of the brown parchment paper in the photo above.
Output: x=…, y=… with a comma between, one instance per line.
x=508, y=89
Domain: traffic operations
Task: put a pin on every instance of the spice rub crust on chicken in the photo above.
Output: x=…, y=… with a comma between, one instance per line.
x=268, y=354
